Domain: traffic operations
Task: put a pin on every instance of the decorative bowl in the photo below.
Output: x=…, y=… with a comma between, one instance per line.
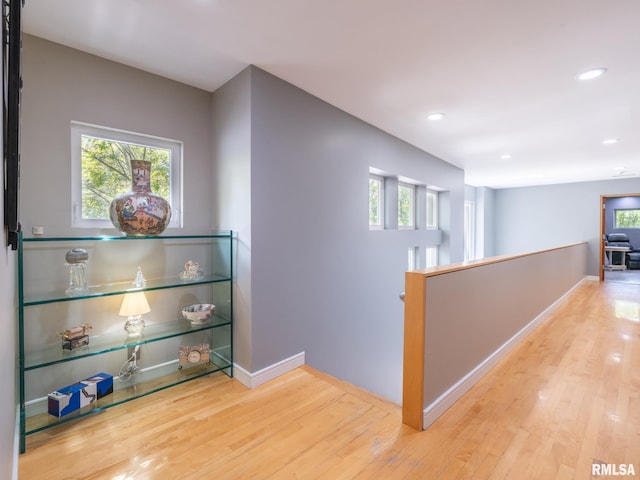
x=199, y=312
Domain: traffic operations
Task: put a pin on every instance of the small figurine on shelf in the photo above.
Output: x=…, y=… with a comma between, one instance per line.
x=191, y=271
x=140, y=281
x=76, y=260
x=75, y=337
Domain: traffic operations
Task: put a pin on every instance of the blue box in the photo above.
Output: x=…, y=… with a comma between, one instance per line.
x=104, y=383
x=71, y=398
x=74, y=397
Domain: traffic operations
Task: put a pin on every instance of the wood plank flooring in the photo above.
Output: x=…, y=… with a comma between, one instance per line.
x=567, y=397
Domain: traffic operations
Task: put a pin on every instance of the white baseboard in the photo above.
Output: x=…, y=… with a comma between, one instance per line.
x=253, y=380
x=431, y=413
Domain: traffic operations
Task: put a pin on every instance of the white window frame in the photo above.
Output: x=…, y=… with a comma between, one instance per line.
x=412, y=204
x=432, y=210
x=79, y=129
x=380, y=180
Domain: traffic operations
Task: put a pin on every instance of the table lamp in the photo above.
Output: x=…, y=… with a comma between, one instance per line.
x=134, y=305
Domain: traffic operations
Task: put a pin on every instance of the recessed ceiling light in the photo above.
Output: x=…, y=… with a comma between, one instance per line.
x=506, y=156
x=591, y=74
x=435, y=116
x=610, y=141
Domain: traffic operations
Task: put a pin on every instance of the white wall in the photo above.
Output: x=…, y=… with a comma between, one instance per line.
x=535, y=218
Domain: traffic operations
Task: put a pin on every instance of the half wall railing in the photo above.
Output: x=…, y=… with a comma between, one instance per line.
x=461, y=319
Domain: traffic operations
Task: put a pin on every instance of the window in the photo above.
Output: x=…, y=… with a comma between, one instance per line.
x=412, y=258
x=432, y=209
x=100, y=171
x=469, y=230
x=627, y=218
x=406, y=195
x=376, y=197
x=431, y=256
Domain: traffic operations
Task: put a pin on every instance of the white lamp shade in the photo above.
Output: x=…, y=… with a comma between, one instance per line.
x=134, y=304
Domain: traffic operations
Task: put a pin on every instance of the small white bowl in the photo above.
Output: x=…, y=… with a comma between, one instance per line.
x=199, y=312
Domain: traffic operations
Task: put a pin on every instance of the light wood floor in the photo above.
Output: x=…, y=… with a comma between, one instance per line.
x=568, y=396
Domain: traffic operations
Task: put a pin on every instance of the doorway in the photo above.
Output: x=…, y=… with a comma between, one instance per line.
x=609, y=204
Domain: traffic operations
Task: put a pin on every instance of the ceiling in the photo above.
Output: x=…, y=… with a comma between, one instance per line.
x=502, y=71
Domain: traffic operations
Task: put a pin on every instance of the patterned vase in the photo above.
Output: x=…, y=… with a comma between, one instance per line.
x=140, y=212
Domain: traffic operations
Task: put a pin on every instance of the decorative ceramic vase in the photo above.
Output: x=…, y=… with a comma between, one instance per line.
x=140, y=212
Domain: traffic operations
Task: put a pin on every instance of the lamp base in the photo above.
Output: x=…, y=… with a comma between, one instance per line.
x=134, y=325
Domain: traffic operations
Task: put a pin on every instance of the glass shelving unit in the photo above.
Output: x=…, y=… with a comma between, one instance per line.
x=43, y=361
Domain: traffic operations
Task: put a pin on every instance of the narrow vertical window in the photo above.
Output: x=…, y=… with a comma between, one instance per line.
x=431, y=256
x=432, y=209
x=469, y=230
x=413, y=259
x=406, y=199
x=376, y=196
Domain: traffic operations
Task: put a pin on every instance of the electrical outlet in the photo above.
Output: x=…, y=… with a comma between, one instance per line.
x=132, y=350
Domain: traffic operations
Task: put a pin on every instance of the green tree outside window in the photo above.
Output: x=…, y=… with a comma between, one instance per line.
x=628, y=218
x=405, y=206
x=374, y=202
x=106, y=172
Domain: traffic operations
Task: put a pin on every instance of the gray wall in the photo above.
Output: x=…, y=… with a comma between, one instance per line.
x=285, y=170
x=321, y=281
x=61, y=85
x=535, y=218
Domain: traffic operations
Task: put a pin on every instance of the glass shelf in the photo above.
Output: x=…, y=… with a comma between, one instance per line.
x=100, y=344
x=108, y=238
x=40, y=285
x=146, y=382
x=119, y=289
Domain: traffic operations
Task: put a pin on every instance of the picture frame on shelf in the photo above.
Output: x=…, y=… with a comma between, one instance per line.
x=193, y=355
